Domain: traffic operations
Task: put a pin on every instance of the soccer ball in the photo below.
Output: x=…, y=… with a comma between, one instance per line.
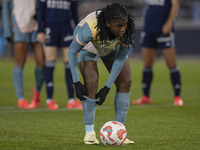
x=113, y=133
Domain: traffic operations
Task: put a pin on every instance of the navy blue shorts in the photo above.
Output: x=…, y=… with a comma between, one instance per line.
x=157, y=40
x=58, y=34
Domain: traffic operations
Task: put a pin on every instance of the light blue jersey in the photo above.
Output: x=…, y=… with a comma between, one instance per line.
x=88, y=45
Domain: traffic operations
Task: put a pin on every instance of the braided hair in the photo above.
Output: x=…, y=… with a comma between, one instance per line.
x=111, y=13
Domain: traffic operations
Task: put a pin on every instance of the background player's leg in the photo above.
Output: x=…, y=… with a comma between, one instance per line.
x=148, y=58
x=39, y=73
x=170, y=59
x=147, y=77
x=20, y=51
x=50, y=56
x=40, y=62
x=72, y=102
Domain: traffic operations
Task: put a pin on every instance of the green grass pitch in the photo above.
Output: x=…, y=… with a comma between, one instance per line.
x=159, y=126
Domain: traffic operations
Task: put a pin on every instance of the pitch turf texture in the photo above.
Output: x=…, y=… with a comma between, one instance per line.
x=159, y=126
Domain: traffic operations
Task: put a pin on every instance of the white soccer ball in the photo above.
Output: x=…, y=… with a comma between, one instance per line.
x=113, y=133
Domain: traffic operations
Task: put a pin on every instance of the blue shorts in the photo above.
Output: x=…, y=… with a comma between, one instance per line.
x=30, y=37
x=157, y=40
x=85, y=55
x=59, y=34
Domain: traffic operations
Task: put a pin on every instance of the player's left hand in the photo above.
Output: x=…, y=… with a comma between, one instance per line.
x=101, y=95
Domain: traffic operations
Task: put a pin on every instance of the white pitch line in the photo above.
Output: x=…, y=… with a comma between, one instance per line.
x=7, y=110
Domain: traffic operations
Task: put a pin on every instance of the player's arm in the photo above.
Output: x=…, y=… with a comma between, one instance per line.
x=115, y=70
x=81, y=38
x=167, y=27
x=6, y=11
x=117, y=66
x=74, y=11
x=41, y=8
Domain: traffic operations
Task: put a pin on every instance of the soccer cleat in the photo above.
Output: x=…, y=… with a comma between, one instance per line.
x=76, y=104
x=90, y=138
x=35, y=102
x=178, y=101
x=127, y=141
x=52, y=105
x=143, y=100
x=23, y=104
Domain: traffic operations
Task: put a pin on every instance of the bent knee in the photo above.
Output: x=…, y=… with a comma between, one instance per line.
x=124, y=85
x=40, y=63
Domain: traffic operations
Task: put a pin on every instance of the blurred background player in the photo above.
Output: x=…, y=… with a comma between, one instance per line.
x=109, y=33
x=56, y=31
x=158, y=33
x=20, y=28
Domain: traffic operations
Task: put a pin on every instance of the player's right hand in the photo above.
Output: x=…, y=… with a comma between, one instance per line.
x=80, y=90
x=9, y=40
x=41, y=37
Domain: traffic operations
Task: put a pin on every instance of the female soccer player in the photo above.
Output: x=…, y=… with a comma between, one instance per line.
x=55, y=31
x=159, y=34
x=20, y=27
x=109, y=33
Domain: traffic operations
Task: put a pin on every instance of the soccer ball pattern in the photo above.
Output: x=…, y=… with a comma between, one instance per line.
x=113, y=133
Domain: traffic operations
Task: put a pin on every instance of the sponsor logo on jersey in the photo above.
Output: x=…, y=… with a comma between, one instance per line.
x=59, y=4
x=156, y=2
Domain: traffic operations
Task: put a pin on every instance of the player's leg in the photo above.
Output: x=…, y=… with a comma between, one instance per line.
x=66, y=36
x=148, y=59
x=39, y=73
x=147, y=75
x=72, y=102
x=50, y=52
x=170, y=59
x=50, y=58
x=122, y=95
x=20, y=52
x=149, y=47
x=89, y=71
x=167, y=44
x=90, y=75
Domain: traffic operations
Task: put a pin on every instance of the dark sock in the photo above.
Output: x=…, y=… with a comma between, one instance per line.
x=49, y=68
x=176, y=80
x=146, y=81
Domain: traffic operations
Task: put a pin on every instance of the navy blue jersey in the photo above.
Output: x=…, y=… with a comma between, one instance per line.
x=56, y=11
x=156, y=15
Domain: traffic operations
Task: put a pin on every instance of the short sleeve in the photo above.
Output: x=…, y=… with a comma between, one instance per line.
x=84, y=35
